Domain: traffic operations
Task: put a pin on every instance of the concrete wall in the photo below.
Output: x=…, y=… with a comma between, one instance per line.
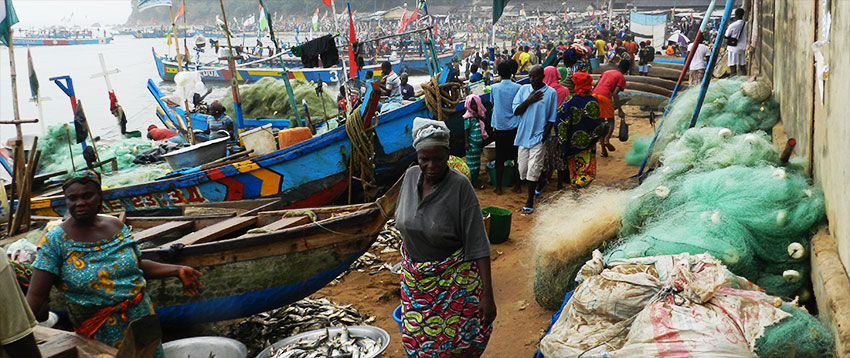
x=793, y=70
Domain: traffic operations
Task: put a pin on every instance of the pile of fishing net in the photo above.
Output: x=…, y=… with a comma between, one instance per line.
x=55, y=155
x=139, y=174
x=688, y=304
x=739, y=106
x=267, y=98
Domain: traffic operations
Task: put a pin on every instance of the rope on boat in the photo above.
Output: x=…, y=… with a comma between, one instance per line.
x=442, y=99
x=362, y=148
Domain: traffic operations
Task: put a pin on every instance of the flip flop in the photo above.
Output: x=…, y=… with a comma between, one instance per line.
x=527, y=211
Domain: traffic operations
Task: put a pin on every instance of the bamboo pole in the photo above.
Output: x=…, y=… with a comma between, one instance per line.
x=234, y=84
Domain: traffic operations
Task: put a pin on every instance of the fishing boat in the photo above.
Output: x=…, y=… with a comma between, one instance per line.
x=288, y=255
x=268, y=67
x=62, y=39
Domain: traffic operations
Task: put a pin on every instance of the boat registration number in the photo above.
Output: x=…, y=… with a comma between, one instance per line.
x=166, y=199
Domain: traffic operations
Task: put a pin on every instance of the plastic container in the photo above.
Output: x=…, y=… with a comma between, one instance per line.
x=397, y=317
x=219, y=347
x=292, y=136
x=197, y=154
x=489, y=151
x=500, y=224
x=260, y=140
x=506, y=174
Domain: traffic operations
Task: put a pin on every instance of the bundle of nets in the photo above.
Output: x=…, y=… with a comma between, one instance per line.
x=800, y=336
x=725, y=106
x=267, y=98
x=139, y=174
x=55, y=154
x=749, y=217
x=635, y=155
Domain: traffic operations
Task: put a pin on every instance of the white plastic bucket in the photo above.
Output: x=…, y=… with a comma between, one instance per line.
x=261, y=140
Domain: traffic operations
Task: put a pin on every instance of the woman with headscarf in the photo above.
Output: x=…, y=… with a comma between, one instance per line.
x=95, y=263
x=552, y=160
x=473, y=127
x=446, y=294
x=579, y=127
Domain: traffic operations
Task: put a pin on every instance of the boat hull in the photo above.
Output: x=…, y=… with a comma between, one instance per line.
x=247, y=276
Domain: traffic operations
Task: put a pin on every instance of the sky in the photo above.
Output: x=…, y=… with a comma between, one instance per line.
x=38, y=13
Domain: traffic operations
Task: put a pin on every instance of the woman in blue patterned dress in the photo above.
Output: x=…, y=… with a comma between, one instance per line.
x=96, y=265
x=579, y=128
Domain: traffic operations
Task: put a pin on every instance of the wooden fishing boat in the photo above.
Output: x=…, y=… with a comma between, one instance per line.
x=311, y=173
x=290, y=255
x=268, y=67
x=59, y=41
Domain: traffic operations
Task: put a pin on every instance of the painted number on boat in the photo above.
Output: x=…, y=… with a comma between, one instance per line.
x=209, y=74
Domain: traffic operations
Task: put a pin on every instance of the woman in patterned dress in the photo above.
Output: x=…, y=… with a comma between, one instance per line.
x=474, y=139
x=446, y=294
x=579, y=128
x=95, y=263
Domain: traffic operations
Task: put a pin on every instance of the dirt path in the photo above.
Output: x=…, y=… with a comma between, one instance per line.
x=520, y=322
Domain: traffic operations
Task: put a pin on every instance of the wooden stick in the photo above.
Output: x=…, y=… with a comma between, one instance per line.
x=20, y=121
x=23, y=199
x=70, y=150
x=15, y=183
x=14, y=75
x=27, y=197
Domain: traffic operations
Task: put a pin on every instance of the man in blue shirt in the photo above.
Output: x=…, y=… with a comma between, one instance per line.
x=504, y=123
x=475, y=76
x=536, y=105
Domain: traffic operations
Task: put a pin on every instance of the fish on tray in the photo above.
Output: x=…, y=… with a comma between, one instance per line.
x=340, y=345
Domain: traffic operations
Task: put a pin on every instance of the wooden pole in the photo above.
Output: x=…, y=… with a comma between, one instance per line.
x=234, y=84
x=14, y=75
x=88, y=129
x=176, y=42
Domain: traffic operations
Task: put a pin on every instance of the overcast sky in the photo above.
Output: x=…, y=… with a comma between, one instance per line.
x=36, y=13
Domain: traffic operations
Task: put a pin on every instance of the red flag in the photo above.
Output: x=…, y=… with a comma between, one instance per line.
x=181, y=10
x=327, y=2
x=565, y=15
x=352, y=38
x=403, y=22
x=435, y=30
x=412, y=17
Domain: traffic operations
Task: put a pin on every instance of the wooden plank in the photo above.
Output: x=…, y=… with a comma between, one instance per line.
x=199, y=220
x=282, y=224
x=164, y=229
x=830, y=283
x=215, y=231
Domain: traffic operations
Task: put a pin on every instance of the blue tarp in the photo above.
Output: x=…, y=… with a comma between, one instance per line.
x=648, y=20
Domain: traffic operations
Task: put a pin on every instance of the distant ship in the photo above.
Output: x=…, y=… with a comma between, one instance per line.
x=63, y=38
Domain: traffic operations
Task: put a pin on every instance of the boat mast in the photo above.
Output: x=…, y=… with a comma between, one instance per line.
x=234, y=84
x=344, y=70
x=292, y=103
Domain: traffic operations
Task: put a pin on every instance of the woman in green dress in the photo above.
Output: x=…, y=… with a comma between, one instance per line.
x=95, y=263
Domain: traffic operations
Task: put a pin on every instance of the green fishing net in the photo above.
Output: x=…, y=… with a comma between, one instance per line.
x=55, y=155
x=725, y=106
x=635, y=155
x=267, y=98
x=798, y=336
x=139, y=174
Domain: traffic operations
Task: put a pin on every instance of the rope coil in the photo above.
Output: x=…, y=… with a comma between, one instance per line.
x=442, y=99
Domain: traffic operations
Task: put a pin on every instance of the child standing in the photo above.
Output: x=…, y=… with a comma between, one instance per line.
x=646, y=54
x=474, y=138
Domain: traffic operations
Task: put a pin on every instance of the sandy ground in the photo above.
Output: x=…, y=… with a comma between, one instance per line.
x=520, y=322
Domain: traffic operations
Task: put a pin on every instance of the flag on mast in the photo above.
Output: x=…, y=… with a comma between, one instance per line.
x=32, y=76
x=316, y=20
x=325, y=16
x=498, y=8
x=9, y=18
x=402, y=22
x=264, y=19
x=352, y=38
x=181, y=10
x=327, y=2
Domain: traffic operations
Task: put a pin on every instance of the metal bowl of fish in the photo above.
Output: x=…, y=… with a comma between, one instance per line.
x=332, y=342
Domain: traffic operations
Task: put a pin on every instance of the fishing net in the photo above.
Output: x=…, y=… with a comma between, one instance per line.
x=725, y=106
x=640, y=145
x=55, y=154
x=746, y=216
x=800, y=336
x=267, y=98
x=139, y=174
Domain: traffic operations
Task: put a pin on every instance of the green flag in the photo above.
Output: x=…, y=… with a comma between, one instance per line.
x=9, y=18
x=498, y=7
x=264, y=18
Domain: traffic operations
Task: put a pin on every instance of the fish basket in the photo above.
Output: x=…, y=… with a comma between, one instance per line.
x=373, y=333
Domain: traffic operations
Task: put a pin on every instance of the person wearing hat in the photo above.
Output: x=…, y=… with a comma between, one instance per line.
x=97, y=266
x=443, y=240
x=155, y=133
x=220, y=125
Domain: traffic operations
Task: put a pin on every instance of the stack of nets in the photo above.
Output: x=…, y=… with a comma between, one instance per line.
x=267, y=98
x=741, y=107
x=55, y=154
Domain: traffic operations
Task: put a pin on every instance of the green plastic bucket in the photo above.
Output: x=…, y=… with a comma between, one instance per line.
x=506, y=174
x=500, y=224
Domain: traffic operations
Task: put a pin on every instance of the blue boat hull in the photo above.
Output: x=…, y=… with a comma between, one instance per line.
x=59, y=41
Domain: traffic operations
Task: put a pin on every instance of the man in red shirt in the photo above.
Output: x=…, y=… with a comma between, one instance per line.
x=606, y=93
x=155, y=133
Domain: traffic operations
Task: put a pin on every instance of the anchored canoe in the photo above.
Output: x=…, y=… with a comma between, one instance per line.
x=253, y=273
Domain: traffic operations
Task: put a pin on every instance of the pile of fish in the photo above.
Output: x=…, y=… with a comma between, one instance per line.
x=308, y=314
x=389, y=240
x=341, y=345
